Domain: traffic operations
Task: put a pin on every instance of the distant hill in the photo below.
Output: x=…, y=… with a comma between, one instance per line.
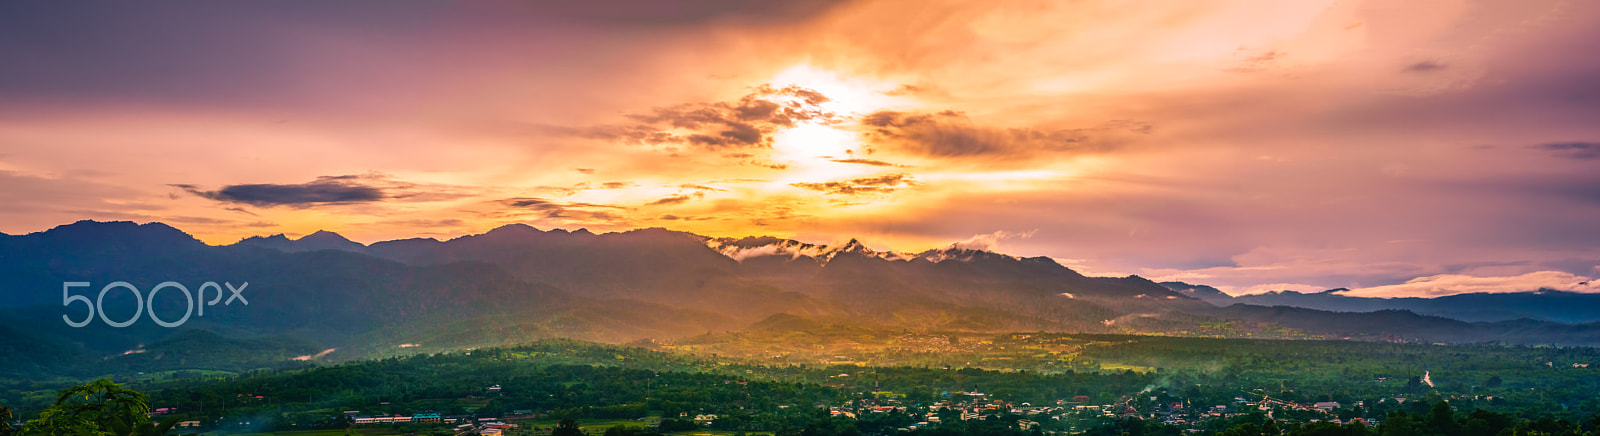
x=327, y=299
x=1204, y=293
x=1541, y=305
x=1401, y=325
x=515, y=284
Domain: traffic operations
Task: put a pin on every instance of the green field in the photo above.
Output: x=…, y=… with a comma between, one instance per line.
x=326, y=432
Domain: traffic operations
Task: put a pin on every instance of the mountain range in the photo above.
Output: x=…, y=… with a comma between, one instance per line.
x=1537, y=305
x=323, y=297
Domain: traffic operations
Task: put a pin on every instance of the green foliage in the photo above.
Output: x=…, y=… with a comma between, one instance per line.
x=572, y=381
x=100, y=407
x=5, y=421
x=567, y=427
x=630, y=430
x=671, y=425
x=494, y=409
x=145, y=428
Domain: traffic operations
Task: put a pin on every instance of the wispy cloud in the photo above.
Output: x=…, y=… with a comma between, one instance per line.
x=676, y=199
x=1451, y=284
x=746, y=123
x=991, y=241
x=573, y=211
x=951, y=134
x=872, y=162
x=1575, y=150
x=866, y=185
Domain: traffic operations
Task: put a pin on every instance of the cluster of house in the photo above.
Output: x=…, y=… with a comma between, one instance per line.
x=490, y=428
x=977, y=406
x=420, y=417
x=169, y=410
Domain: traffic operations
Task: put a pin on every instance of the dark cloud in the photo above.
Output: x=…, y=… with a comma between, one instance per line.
x=1424, y=66
x=746, y=123
x=684, y=218
x=866, y=185
x=1575, y=150
x=329, y=190
x=573, y=211
x=324, y=190
x=680, y=12
x=699, y=187
x=584, y=170
x=617, y=185
x=544, y=204
x=257, y=53
x=951, y=134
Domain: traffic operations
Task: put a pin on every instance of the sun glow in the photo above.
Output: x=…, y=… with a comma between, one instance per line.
x=814, y=141
x=814, y=150
x=847, y=96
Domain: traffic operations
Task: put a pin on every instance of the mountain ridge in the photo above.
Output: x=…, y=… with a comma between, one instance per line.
x=517, y=283
x=1541, y=304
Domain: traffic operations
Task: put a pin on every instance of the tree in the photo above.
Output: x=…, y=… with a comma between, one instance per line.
x=100, y=407
x=5, y=422
x=1441, y=420
x=1400, y=423
x=1485, y=423
x=492, y=410
x=567, y=427
x=1414, y=385
x=671, y=425
x=1246, y=429
x=146, y=428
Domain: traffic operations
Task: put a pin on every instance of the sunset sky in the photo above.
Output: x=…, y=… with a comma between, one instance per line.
x=1395, y=148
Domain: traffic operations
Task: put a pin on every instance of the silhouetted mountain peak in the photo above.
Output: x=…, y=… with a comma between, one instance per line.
x=852, y=246
x=275, y=242
x=758, y=246
x=653, y=232
x=125, y=233
x=324, y=236
x=319, y=240
x=957, y=253
x=326, y=240
x=512, y=229
x=1204, y=293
